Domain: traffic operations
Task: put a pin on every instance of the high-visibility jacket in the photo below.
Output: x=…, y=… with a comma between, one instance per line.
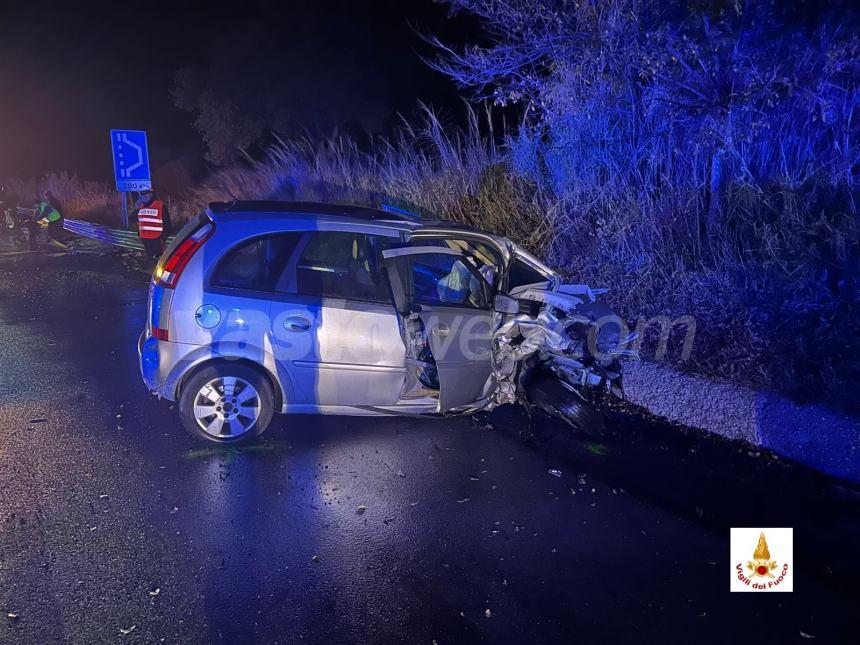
x=150, y=220
x=46, y=212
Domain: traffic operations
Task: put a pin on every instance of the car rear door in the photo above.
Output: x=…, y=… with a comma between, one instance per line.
x=444, y=289
x=332, y=326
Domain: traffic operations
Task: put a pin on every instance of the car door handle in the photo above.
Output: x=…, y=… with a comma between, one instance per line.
x=442, y=329
x=297, y=323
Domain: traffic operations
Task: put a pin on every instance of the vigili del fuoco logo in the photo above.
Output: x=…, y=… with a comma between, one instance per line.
x=770, y=568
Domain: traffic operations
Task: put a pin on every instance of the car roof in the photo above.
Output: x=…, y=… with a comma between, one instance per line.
x=387, y=216
x=261, y=207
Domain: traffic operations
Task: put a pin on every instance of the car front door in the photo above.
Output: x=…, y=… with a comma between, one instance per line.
x=444, y=289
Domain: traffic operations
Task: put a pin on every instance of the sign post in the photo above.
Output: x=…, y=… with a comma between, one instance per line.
x=130, y=164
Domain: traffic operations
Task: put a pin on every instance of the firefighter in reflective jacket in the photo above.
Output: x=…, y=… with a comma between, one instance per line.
x=153, y=223
x=48, y=214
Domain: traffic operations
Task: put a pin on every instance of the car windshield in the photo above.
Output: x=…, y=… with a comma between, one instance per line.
x=482, y=257
x=448, y=280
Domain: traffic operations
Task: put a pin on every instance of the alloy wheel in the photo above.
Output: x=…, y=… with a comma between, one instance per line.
x=227, y=407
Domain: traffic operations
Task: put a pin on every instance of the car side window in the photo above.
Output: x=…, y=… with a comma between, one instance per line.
x=339, y=264
x=521, y=274
x=256, y=265
x=448, y=280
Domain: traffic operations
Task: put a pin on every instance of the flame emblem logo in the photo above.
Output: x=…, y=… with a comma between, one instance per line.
x=761, y=566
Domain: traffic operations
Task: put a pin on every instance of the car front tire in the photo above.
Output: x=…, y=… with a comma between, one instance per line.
x=227, y=403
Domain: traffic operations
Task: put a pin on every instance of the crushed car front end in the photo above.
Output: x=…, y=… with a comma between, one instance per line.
x=537, y=328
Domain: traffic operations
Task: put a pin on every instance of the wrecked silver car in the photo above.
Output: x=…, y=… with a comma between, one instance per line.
x=263, y=307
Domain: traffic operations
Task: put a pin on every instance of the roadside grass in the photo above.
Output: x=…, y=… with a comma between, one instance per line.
x=435, y=171
x=90, y=200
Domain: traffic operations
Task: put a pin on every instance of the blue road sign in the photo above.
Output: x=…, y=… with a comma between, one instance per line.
x=130, y=160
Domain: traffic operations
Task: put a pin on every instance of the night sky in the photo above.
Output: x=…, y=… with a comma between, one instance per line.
x=70, y=73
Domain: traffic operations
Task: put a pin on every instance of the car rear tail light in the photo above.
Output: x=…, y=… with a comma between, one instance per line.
x=160, y=299
x=169, y=268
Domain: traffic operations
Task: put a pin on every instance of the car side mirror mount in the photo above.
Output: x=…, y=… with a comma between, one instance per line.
x=506, y=305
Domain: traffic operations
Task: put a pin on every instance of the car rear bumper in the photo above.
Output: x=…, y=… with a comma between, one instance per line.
x=150, y=363
x=162, y=363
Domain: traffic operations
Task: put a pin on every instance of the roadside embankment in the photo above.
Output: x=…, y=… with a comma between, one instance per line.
x=814, y=435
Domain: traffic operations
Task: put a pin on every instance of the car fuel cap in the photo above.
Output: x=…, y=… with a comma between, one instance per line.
x=207, y=316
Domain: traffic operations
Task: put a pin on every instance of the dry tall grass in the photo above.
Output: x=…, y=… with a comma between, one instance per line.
x=91, y=200
x=433, y=170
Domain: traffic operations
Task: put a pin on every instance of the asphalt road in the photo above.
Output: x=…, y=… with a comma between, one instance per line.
x=117, y=527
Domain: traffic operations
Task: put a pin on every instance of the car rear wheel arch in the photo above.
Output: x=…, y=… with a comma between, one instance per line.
x=217, y=361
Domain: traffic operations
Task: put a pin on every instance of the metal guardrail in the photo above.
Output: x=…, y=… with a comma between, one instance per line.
x=106, y=234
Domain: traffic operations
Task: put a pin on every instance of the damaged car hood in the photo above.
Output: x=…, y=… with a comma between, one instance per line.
x=571, y=334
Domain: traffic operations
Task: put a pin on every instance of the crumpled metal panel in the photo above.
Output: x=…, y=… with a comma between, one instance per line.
x=546, y=336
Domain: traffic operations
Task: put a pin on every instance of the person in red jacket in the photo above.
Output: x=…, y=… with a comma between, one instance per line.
x=153, y=223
